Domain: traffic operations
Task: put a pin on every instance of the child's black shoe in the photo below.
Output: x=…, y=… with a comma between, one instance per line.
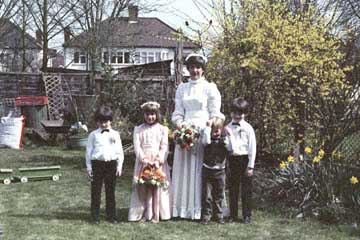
x=247, y=220
x=205, y=221
x=220, y=221
x=232, y=220
x=112, y=220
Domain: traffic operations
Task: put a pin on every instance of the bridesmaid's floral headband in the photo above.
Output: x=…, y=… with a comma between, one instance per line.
x=151, y=104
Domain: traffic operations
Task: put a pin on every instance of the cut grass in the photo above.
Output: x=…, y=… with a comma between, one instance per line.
x=60, y=210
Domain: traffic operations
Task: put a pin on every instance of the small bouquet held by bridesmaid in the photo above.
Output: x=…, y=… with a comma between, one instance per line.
x=153, y=176
x=186, y=136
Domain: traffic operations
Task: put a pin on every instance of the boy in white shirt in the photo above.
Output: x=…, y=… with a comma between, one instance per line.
x=242, y=148
x=104, y=160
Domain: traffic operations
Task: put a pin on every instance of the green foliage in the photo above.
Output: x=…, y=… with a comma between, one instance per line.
x=61, y=210
x=318, y=185
x=125, y=98
x=286, y=65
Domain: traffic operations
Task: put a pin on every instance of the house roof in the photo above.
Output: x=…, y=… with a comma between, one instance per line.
x=11, y=36
x=145, y=32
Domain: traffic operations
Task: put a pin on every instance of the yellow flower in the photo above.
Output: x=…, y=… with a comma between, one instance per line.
x=170, y=133
x=316, y=159
x=290, y=159
x=282, y=165
x=165, y=123
x=354, y=180
x=321, y=153
x=120, y=123
x=308, y=150
x=335, y=154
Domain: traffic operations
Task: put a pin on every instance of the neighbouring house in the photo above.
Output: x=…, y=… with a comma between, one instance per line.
x=127, y=41
x=19, y=51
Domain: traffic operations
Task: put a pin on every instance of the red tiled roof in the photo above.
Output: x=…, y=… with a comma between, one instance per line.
x=146, y=32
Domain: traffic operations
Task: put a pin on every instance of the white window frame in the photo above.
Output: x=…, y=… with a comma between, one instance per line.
x=81, y=58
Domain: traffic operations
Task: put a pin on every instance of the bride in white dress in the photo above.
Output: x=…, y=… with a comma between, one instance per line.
x=196, y=102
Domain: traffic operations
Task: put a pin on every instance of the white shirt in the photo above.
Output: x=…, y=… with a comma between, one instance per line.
x=104, y=146
x=195, y=102
x=242, y=141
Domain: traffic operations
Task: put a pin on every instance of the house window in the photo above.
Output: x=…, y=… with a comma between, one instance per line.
x=157, y=56
x=143, y=57
x=164, y=55
x=136, y=57
x=113, y=57
x=79, y=57
x=126, y=57
x=106, y=57
x=150, y=57
x=120, y=57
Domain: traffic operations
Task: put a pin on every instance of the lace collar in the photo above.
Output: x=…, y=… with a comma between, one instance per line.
x=200, y=80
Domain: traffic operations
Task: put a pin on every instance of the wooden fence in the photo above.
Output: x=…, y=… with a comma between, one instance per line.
x=76, y=86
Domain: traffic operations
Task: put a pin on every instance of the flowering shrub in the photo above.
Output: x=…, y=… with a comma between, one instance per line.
x=152, y=176
x=318, y=184
x=167, y=125
x=186, y=136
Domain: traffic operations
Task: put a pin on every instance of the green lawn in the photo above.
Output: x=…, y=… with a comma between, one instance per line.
x=60, y=210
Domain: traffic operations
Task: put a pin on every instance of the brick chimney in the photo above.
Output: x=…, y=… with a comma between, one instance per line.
x=67, y=34
x=39, y=36
x=133, y=13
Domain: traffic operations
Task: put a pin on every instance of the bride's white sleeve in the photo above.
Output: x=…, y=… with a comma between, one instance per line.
x=214, y=101
x=178, y=115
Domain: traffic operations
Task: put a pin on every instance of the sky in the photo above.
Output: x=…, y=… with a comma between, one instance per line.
x=176, y=12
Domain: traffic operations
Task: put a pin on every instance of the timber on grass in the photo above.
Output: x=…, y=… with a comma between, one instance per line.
x=39, y=173
x=6, y=175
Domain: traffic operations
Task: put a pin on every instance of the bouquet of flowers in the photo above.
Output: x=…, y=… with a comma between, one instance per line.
x=186, y=136
x=152, y=176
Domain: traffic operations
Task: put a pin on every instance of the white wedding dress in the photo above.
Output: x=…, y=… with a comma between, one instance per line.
x=195, y=102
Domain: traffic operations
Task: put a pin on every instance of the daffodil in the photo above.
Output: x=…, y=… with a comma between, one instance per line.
x=282, y=165
x=308, y=150
x=316, y=159
x=354, y=180
x=120, y=123
x=321, y=153
x=170, y=133
x=336, y=155
x=290, y=159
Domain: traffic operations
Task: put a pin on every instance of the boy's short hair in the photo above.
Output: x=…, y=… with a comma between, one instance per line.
x=240, y=106
x=217, y=122
x=103, y=114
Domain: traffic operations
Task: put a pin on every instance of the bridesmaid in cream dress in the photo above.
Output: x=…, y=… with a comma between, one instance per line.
x=150, y=203
x=196, y=102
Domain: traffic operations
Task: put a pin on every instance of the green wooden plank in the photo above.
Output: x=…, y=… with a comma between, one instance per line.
x=3, y=177
x=40, y=173
x=37, y=177
x=40, y=168
x=6, y=170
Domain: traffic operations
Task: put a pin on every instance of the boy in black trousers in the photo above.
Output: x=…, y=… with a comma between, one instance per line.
x=242, y=147
x=213, y=171
x=104, y=160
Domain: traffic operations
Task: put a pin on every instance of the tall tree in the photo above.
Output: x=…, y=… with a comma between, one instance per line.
x=50, y=17
x=282, y=62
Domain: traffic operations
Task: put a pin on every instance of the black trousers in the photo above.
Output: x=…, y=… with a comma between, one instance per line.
x=237, y=175
x=213, y=188
x=103, y=172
